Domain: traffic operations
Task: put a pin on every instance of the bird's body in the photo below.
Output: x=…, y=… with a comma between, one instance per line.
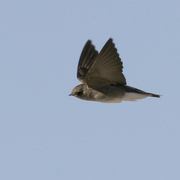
x=110, y=94
x=102, y=77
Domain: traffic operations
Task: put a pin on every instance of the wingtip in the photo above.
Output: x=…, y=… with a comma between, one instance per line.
x=110, y=39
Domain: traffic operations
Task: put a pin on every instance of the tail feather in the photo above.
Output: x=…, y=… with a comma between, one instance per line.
x=154, y=95
x=134, y=90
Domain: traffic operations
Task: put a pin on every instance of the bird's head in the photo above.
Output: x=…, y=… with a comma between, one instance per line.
x=79, y=92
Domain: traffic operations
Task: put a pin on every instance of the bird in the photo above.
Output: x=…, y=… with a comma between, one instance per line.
x=102, y=78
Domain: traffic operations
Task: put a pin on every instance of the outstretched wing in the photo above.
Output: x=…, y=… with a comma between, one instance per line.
x=105, y=68
x=86, y=60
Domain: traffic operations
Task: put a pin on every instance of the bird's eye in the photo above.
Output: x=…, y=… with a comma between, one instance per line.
x=79, y=93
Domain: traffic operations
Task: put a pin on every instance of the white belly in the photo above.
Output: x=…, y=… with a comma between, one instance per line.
x=133, y=96
x=126, y=97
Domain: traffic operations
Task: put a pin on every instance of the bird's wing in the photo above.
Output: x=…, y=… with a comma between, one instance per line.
x=86, y=60
x=106, y=68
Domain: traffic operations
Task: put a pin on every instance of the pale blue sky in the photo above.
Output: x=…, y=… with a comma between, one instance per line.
x=45, y=134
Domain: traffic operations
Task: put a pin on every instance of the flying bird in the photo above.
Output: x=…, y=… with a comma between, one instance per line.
x=102, y=76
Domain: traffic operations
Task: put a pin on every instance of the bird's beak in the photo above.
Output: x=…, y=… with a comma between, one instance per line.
x=71, y=94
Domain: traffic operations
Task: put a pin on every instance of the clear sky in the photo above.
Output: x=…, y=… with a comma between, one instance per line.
x=45, y=134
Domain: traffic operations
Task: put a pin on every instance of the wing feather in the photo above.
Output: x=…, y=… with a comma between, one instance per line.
x=86, y=60
x=98, y=70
